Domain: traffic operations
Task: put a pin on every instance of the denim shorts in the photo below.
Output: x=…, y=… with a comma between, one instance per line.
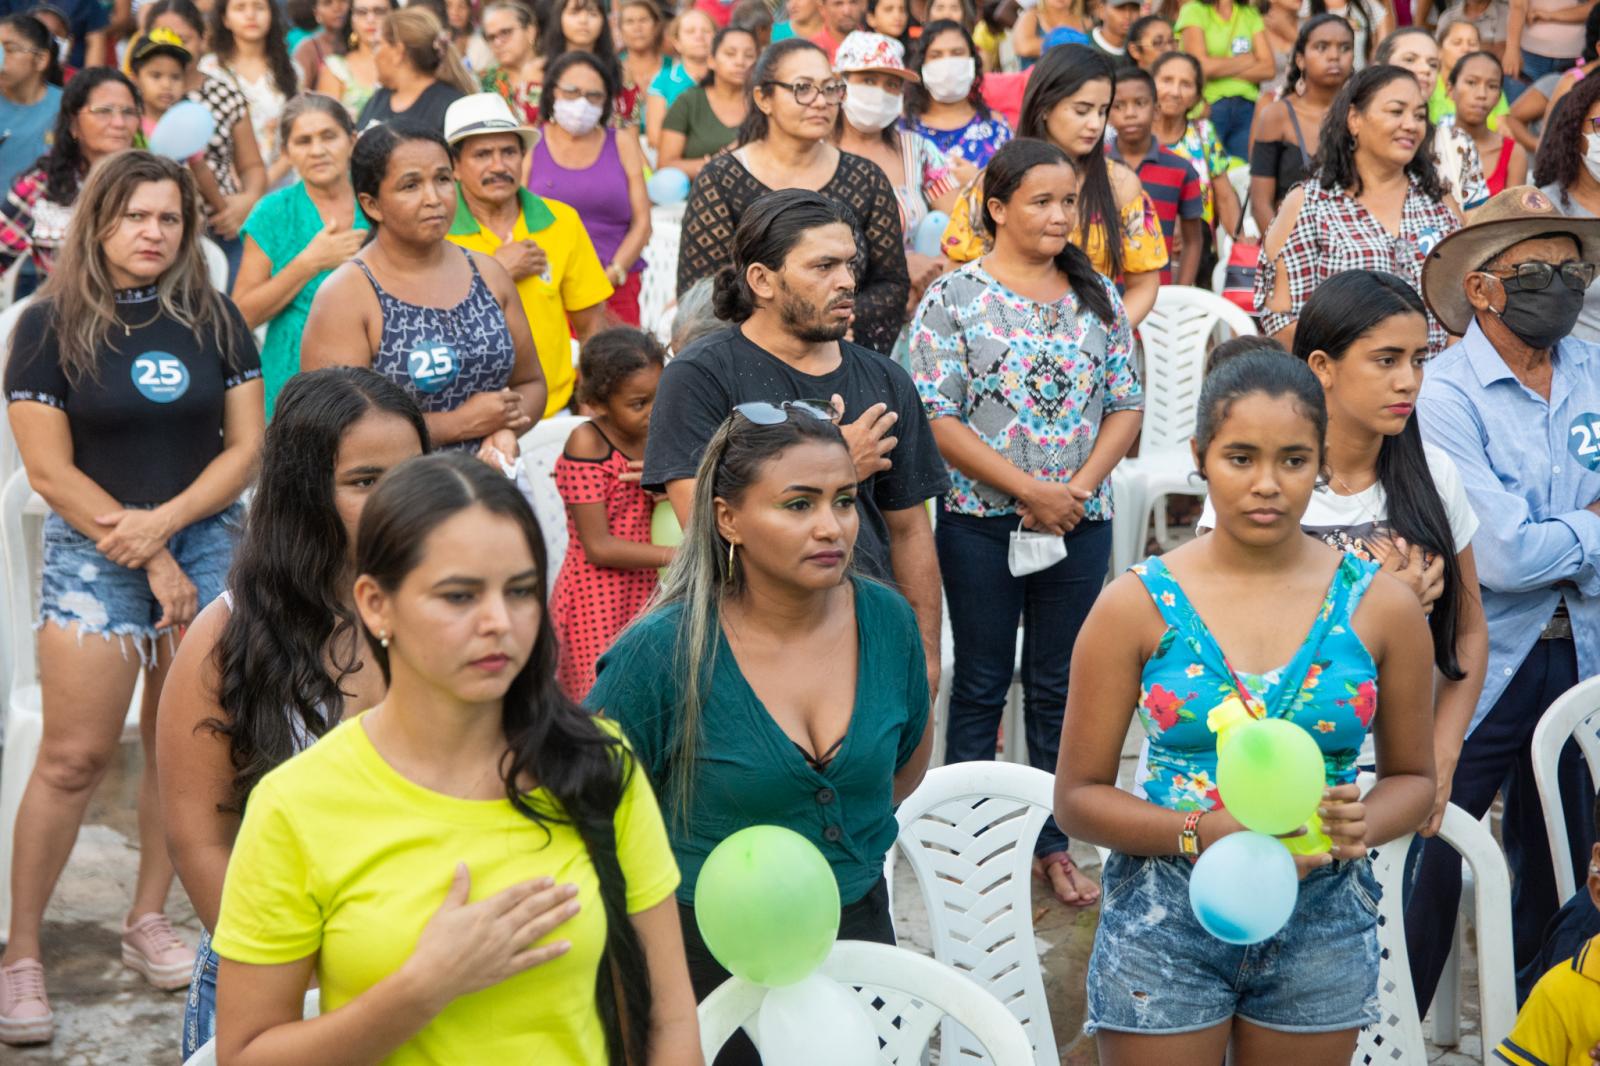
x=1155, y=970
x=200, y=1009
x=82, y=587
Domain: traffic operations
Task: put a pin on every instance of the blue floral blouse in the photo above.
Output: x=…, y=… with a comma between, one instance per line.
x=976, y=142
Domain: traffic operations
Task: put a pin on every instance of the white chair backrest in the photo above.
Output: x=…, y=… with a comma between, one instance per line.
x=216, y=264
x=9, y=459
x=541, y=447
x=1176, y=334
x=906, y=993
x=1576, y=713
x=659, y=287
x=22, y=547
x=968, y=832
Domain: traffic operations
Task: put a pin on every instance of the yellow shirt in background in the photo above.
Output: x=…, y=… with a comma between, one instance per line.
x=341, y=856
x=574, y=281
x=1560, y=1023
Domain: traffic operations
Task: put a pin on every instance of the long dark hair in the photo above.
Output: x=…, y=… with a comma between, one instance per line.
x=289, y=574
x=1560, y=157
x=276, y=45
x=1320, y=7
x=1336, y=152
x=716, y=42
x=917, y=98
x=347, y=31
x=1342, y=310
x=1260, y=370
x=554, y=42
x=767, y=232
x=369, y=159
x=1062, y=71
x=1296, y=73
x=1000, y=181
x=550, y=740
x=552, y=74
x=754, y=126
x=64, y=164
x=38, y=36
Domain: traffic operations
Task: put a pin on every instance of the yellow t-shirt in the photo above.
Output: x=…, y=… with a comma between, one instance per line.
x=341, y=856
x=576, y=280
x=1561, y=1020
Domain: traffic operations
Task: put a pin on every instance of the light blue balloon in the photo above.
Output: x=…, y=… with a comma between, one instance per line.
x=668, y=185
x=183, y=131
x=1244, y=887
x=928, y=238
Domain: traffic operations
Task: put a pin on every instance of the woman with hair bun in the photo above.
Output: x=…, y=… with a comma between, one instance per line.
x=419, y=71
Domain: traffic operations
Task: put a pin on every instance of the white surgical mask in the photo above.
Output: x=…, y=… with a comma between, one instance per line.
x=577, y=117
x=1591, y=157
x=949, y=80
x=870, y=108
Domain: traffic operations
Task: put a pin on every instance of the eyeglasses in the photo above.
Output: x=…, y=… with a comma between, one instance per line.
x=806, y=91
x=775, y=414
x=500, y=35
x=1594, y=124
x=597, y=97
x=1531, y=277
x=21, y=49
x=106, y=113
x=369, y=12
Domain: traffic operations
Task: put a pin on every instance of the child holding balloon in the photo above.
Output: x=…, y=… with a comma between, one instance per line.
x=1265, y=616
x=610, y=568
x=158, y=61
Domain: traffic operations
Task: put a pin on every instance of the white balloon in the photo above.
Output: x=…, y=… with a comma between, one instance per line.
x=816, y=1021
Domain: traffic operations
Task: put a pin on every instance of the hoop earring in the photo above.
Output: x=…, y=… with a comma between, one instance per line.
x=731, y=546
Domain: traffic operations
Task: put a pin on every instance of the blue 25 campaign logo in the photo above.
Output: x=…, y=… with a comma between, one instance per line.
x=160, y=377
x=1583, y=440
x=433, y=367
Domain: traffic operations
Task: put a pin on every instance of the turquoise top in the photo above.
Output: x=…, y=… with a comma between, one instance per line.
x=670, y=81
x=1330, y=688
x=282, y=224
x=750, y=772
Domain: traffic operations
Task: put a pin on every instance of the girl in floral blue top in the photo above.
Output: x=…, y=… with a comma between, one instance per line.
x=947, y=106
x=1024, y=363
x=1260, y=611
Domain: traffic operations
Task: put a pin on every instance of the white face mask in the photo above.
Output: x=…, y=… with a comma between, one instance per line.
x=577, y=117
x=870, y=108
x=949, y=80
x=1591, y=157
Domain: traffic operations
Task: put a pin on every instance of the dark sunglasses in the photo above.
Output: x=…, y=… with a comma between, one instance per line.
x=1531, y=277
x=775, y=414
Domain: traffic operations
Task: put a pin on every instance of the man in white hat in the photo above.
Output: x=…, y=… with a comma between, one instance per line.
x=542, y=243
x=1516, y=404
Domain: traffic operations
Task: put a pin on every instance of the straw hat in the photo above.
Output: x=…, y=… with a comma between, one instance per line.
x=1518, y=214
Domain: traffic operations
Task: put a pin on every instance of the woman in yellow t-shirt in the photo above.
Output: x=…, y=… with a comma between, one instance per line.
x=1066, y=103
x=475, y=869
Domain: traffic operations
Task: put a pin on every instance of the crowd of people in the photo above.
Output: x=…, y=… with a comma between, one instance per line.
x=394, y=752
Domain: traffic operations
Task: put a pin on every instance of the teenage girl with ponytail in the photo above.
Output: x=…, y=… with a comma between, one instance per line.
x=1033, y=301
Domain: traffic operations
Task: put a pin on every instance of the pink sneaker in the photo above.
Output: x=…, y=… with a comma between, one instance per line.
x=25, y=1016
x=150, y=947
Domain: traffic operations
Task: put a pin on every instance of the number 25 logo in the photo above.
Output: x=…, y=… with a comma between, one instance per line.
x=432, y=368
x=160, y=377
x=1584, y=441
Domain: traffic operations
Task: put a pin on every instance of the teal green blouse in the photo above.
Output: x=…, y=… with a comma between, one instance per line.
x=282, y=224
x=750, y=772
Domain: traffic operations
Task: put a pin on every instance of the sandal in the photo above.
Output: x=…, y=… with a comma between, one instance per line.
x=1087, y=897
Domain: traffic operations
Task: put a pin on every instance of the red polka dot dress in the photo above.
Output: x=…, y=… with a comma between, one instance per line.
x=592, y=604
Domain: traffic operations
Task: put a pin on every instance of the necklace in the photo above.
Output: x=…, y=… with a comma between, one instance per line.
x=127, y=330
x=1366, y=511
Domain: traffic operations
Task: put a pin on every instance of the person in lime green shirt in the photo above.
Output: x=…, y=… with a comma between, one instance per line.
x=1230, y=40
x=475, y=870
x=1457, y=41
x=541, y=243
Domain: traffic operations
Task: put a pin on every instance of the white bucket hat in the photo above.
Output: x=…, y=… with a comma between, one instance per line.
x=482, y=113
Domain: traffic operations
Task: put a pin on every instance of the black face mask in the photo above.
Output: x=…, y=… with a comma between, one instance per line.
x=1541, y=317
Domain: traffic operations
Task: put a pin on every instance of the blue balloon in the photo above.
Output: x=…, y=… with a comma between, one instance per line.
x=668, y=185
x=928, y=238
x=1244, y=887
x=183, y=131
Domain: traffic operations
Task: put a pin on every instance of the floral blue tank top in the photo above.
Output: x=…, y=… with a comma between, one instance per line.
x=1330, y=688
x=442, y=356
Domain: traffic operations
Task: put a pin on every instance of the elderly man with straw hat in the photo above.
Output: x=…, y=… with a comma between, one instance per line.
x=1516, y=404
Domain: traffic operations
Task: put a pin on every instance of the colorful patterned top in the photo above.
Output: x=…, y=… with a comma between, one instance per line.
x=976, y=142
x=1032, y=380
x=1143, y=247
x=31, y=223
x=1330, y=688
x=1201, y=146
x=227, y=106
x=1336, y=232
x=928, y=177
x=524, y=99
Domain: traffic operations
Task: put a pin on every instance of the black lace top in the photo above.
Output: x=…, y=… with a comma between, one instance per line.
x=725, y=188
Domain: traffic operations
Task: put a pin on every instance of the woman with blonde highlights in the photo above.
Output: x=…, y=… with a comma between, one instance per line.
x=420, y=72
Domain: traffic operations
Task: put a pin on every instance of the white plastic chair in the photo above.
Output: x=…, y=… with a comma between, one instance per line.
x=658, y=290
x=216, y=264
x=968, y=832
x=1176, y=334
x=907, y=994
x=541, y=447
x=24, y=717
x=9, y=460
x=206, y=1054
x=1575, y=713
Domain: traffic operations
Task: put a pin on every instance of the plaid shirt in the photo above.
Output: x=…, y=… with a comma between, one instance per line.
x=1336, y=232
x=31, y=224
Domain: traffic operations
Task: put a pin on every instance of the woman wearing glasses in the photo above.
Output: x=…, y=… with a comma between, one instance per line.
x=518, y=72
x=785, y=143
x=1561, y=174
x=586, y=163
x=763, y=651
x=30, y=81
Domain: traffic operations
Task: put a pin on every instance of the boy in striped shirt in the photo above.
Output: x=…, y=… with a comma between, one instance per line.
x=1169, y=178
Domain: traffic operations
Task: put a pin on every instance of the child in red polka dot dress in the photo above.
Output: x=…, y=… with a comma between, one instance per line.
x=610, y=569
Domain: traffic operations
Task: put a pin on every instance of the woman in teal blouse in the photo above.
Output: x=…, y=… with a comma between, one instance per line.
x=296, y=236
x=769, y=685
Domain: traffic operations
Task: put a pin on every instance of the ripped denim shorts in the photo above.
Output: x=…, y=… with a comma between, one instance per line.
x=1155, y=970
x=82, y=587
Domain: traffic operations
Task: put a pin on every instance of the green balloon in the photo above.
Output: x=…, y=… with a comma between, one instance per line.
x=1271, y=775
x=767, y=905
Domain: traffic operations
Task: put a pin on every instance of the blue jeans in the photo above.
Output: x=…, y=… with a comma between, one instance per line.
x=1496, y=758
x=200, y=1010
x=1232, y=116
x=986, y=604
x=1535, y=66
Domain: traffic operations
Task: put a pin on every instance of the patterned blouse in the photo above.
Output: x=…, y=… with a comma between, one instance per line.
x=354, y=95
x=227, y=106
x=266, y=102
x=928, y=177
x=31, y=224
x=976, y=142
x=1455, y=156
x=1143, y=247
x=1032, y=380
x=524, y=101
x=1330, y=688
x=1336, y=232
x=1201, y=146
x=725, y=189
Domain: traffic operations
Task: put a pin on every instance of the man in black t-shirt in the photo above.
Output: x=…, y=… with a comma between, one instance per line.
x=791, y=290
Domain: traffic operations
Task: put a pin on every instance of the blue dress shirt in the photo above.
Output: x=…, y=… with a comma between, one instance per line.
x=1531, y=467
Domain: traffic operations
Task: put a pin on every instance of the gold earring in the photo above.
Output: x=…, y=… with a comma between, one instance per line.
x=731, y=546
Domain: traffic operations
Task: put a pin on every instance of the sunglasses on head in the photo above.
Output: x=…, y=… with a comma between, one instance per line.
x=774, y=414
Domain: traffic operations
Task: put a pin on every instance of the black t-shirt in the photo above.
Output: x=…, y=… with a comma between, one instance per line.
x=151, y=419
x=700, y=388
x=427, y=111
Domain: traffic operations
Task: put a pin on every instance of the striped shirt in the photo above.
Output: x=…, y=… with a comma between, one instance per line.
x=1172, y=185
